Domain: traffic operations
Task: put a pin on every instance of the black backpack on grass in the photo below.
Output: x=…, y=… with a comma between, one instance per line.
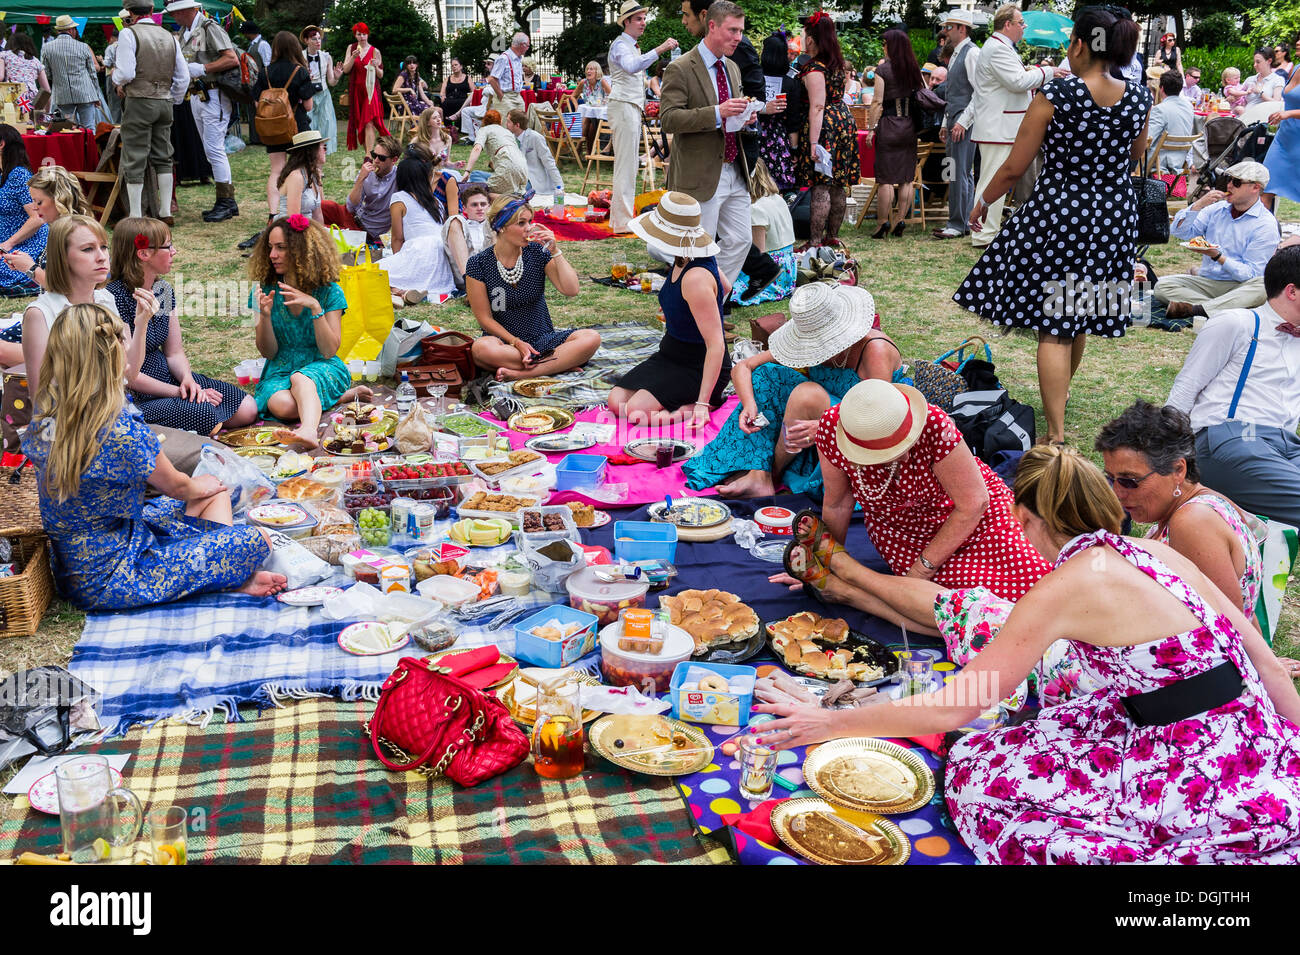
x=989, y=419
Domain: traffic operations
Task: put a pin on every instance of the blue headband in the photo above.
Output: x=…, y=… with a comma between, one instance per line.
x=514, y=205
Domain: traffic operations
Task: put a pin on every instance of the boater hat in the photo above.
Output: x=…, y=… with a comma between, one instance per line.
x=673, y=228
x=879, y=421
x=824, y=321
x=64, y=22
x=629, y=8
x=181, y=5
x=308, y=137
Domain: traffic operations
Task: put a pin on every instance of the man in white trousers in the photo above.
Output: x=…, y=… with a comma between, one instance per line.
x=627, y=66
x=1003, y=90
x=209, y=52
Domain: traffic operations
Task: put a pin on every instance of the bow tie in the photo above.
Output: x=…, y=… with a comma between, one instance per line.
x=1292, y=330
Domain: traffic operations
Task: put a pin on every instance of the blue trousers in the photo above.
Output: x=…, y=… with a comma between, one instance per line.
x=959, y=171
x=1257, y=467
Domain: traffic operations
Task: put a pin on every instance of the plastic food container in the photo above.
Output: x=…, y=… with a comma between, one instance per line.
x=463, y=424
x=539, y=651
x=529, y=485
x=381, y=534
x=515, y=583
x=570, y=530
x=292, y=521
x=647, y=672
x=723, y=707
x=645, y=540
x=589, y=593
x=775, y=520
x=449, y=591
x=580, y=470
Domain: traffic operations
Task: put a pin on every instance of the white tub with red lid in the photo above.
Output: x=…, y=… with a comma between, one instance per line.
x=775, y=520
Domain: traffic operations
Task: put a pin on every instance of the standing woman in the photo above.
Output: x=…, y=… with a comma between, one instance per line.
x=19, y=64
x=324, y=74
x=166, y=390
x=454, y=95
x=1283, y=158
x=828, y=131
x=1091, y=128
x=112, y=100
x=891, y=128
x=21, y=229
x=365, y=68
x=287, y=69
x=773, y=139
x=412, y=88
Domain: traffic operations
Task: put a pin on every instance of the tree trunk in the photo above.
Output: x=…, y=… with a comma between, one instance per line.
x=1180, y=33
x=442, y=40
x=868, y=12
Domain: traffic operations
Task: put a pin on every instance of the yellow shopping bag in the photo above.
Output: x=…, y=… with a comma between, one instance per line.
x=369, y=317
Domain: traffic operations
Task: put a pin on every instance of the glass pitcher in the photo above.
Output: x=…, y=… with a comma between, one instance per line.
x=99, y=821
x=557, y=734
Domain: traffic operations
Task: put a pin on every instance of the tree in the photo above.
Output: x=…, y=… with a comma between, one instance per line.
x=291, y=15
x=1279, y=21
x=472, y=46
x=397, y=29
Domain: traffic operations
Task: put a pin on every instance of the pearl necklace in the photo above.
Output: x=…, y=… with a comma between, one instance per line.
x=514, y=273
x=876, y=493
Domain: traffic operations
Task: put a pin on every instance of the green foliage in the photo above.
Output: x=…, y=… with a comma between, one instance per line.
x=923, y=41
x=472, y=46
x=575, y=46
x=1214, y=60
x=397, y=29
x=1279, y=21
x=292, y=15
x=662, y=27
x=862, y=48
x=1218, y=29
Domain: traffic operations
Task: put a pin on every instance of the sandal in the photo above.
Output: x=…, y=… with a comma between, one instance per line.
x=810, y=529
x=801, y=564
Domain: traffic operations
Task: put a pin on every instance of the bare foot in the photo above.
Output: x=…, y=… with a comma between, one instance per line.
x=750, y=484
x=263, y=583
x=357, y=391
x=307, y=437
x=511, y=374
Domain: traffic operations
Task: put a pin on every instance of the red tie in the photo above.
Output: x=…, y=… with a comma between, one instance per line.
x=1292, y=330
x=729, y=148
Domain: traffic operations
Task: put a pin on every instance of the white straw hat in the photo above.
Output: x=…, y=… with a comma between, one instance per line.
x=963, y=17
x=630, y=8
x=825, y=319
x=879, y=421
x=673, y=228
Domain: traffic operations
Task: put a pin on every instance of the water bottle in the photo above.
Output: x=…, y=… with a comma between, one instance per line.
x=558, y=204
x=676, y=51
x=405, y=396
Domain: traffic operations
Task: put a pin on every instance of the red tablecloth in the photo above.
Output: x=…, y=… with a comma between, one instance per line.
x=867, y=155
x=530, y=96
x=72, y=150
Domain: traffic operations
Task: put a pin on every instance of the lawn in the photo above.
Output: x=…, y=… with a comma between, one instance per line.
x=912, y=279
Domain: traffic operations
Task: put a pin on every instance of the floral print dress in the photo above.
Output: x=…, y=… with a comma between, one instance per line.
x=839, y=135
x=1082, y=783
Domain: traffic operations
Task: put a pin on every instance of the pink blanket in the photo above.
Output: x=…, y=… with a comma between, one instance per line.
x=645, y=482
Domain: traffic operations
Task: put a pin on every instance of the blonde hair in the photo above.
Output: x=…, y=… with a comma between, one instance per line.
x=499, y=203
x=599, y=72
x=80, y=392
x=1067, y=491
x=126, y=265
x=63, y=187
x=1001, y=17
x=58, y=273
x=761, y=183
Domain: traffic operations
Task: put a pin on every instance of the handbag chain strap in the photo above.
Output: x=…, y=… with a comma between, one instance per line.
x=468, y=737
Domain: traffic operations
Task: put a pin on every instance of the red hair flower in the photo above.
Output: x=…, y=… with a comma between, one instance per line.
x=361, y=28
x=141, y=241
x=298, y=222
x=816, y=17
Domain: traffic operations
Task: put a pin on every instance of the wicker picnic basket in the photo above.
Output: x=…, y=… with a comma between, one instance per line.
x=25, y=596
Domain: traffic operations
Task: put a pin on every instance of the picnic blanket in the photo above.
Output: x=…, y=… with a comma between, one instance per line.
x=575, y=229
x=301, y=785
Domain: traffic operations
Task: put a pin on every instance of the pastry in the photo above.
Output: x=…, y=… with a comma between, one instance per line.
x=506, y=503
x=712, y=617
x=513, y=460
x=714, y=683
x=584, y=515
x=302, y=489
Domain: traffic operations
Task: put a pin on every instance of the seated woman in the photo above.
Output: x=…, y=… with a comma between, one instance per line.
x=94, y=458
x=594, y=90
x=298, y=332
x=827, y=347
x=684, y=379
x=418, y=266
x=300, y=180
x=431, y=133
x=466, y=233
x=21, y=229
x=932, y=509
x=1135, y=770
x=167, y=391
x=509, y=168
x=506, y=286
x=412, y=87
x=772, y=230
x=77, y=266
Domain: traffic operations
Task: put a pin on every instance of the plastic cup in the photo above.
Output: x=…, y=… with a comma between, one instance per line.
x=371, y=371
x=243, y=374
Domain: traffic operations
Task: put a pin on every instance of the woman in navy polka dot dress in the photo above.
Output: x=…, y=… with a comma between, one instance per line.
x=1063, y=264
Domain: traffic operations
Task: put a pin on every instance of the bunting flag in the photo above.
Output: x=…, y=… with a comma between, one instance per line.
x=117, y=22
x=235, y=10
x=3, y=14
x=108, y=28
x=81, y=24
x=157, y=17
x=44, y=19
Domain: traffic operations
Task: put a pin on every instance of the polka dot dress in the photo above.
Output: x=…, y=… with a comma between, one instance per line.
x=903, y=513
x=521, y=309
x=1063, y=263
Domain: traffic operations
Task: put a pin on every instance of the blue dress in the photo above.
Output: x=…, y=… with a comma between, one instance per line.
x=296, y=336
x=112, y=551
x=525, y=314
x=1283, y=158
x=14, y=194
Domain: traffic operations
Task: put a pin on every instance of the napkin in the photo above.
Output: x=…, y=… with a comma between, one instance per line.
x=358, y=602
x=757, y=823
x=620, y=699
x=479, y=668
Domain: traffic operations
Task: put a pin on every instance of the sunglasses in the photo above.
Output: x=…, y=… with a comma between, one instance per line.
x=380, y=157
x=1234, y=181
x=1128, y=483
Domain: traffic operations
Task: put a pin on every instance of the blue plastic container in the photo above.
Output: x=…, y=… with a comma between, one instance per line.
x=649, y=541
x=580, y=470
x=534, y=650
x=711, y=706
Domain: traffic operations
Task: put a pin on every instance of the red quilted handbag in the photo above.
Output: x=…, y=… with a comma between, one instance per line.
x=443, y=726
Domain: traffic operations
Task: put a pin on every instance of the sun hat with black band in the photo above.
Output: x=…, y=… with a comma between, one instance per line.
x=673, y=228
x=825, y=320
x=308, y=137
x=628, y=9
x=879, y=421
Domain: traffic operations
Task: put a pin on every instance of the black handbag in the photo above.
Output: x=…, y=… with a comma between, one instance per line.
x=1152, y=208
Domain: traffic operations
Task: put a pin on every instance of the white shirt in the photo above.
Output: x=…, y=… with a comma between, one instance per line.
x=509, y=71
x=1271, y=396
x=1247, y=242
x=709, y=60
x=52, y=304
x=627, y=65
x=772, y=213
x=124, y=68
x=1133, y=72
x=1257, y=88
x=967, y=117
x=259, y=46
x=543, y=175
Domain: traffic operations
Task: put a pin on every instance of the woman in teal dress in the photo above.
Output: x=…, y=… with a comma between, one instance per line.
x=94, y=456
x=299, y=332
x=828, y=346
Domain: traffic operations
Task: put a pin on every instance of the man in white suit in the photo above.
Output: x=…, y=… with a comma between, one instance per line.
x=543, y=174
x=1003, y=90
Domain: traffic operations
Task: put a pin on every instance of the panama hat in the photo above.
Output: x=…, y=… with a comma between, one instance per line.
x=181, y=5
x=963, y=17
x=64, y=22
x=879, y=421
x=630, y=8
x=673, y=228
x=308, y=137
x=825, y=320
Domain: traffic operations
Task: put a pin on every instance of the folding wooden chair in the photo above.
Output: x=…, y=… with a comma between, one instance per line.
x=1181, y=144
x=401, y=121
x=657, y=145
x=602, y=153
x=106, y=177
x=556, y=132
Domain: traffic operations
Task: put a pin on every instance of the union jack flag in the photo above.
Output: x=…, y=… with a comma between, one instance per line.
x=24, y=103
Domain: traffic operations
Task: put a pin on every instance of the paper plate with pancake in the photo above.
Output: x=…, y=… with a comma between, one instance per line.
x=653, y=745
x=820, y=833
x=542, y=419
x=535, y=387
x=827, y=648
x=716, y=621
x=869, y=775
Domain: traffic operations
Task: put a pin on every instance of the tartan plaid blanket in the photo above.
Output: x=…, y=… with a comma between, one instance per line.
x=301, y=785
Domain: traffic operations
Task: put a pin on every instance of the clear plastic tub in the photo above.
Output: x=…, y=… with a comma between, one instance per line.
x=449, y=591
x=650, y=673
x=592, y=595
x=570, y=529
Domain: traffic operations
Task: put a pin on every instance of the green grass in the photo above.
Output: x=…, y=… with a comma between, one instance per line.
x=912, y=279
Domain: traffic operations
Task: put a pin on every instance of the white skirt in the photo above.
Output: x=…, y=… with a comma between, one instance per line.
x=422, y=264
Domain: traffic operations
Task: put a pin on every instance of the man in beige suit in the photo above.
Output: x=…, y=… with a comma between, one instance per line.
x=701, y=90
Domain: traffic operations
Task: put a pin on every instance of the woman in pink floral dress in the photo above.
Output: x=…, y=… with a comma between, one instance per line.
x=1187, y=752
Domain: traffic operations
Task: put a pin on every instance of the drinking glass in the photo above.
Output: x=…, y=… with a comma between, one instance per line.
x=757, y=767
x=167, y=835
x=557, y=734
x=618, y=271
x=915, y=672
x=91, y=811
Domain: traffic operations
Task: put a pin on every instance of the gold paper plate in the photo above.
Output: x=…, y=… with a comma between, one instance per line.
x=869, y=775
x=657, y=765
x=886, y=843
x=528, y=715
x=534, y=387
x=540, y=419
x=263, y=436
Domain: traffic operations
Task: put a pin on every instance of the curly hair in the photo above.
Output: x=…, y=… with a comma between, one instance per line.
x=1161, y=435
x=63, y=187
x=311, y=260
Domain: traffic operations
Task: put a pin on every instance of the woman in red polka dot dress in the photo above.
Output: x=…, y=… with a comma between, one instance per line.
x=932, y=509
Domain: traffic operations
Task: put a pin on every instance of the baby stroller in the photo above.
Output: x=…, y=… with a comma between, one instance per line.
x=1228, y=143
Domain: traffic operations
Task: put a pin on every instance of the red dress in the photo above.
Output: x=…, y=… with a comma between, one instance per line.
x=903, y=513
x=365, y=107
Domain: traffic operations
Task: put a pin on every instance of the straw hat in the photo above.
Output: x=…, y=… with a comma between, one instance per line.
x=963, y=17
x=673, y=228
x=308, y=137
x=181, y=5
x=64, y=22
x=825, y=319
x=879, y=421
x=630, y=8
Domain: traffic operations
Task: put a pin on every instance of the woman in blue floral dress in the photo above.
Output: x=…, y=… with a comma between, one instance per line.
x=94, y=457
x=20, y=230
x=299, y=332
